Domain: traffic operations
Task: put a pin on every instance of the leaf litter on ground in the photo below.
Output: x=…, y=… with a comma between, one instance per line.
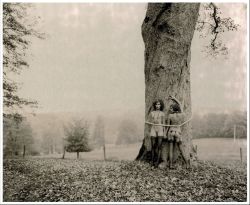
x=57, y=180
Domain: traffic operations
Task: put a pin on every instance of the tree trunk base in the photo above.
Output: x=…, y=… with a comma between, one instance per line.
x=177, y=160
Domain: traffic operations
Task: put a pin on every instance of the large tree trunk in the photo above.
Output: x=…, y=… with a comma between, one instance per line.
x=167, y=32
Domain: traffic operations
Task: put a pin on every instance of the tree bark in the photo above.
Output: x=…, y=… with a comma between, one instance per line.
x=167, y=33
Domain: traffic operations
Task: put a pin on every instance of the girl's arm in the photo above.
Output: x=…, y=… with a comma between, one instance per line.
x=167, y=128
x=163, y=120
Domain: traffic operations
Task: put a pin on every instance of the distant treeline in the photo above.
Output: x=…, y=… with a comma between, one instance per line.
x=220, y=125
x=17, y=136
x=20, y=138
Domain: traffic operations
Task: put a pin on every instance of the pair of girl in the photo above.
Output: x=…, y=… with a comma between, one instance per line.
x=160, y=130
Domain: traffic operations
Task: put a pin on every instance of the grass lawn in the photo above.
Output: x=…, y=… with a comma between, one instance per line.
x=220, y=150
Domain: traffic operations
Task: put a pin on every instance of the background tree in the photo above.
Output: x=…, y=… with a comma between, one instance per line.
x=220, y=125
x=48, y=142
x=18, y=29
x=237, y=121
x=77, y=137
x=26, y=137
x=52, y=135
x=127, y=132
x=98, y=136
x=167, y=32
x=17, y=136
x=213, y=124
x=10, y=134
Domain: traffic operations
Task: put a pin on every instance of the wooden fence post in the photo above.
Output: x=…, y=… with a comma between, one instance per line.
x=104, y=152
x=24, y=151
x=240, y=154
x=64, y=150
x=234, y=133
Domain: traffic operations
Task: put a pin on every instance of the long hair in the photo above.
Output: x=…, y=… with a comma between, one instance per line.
x=161, y=102
x=176, y=108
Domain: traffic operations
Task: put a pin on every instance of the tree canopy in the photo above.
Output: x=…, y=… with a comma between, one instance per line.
x=211, y=24
x=17, y=31
x=77, y=137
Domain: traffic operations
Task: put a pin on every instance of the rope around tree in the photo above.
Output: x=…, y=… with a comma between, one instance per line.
x=150, y=123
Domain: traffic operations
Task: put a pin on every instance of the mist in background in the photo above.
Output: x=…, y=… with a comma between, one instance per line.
x=92, y=63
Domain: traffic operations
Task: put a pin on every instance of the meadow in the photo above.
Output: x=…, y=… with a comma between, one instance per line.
x=219, y=150
x=218, y=176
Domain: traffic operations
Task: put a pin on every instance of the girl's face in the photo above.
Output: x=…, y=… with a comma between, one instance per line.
x=171, y=110
x=158, y=106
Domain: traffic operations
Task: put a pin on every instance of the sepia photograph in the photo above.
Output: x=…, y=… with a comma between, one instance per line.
x=124, y=102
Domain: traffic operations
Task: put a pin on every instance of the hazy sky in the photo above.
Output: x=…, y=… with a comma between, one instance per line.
x=93, y=60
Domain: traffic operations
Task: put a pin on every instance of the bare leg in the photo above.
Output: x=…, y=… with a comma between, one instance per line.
x=170, y=154
x=159, y=143
x=153, y=142
x=175, y=147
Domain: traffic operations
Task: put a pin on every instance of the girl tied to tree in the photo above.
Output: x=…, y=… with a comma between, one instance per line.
x=173, y=133
x=156, y=121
